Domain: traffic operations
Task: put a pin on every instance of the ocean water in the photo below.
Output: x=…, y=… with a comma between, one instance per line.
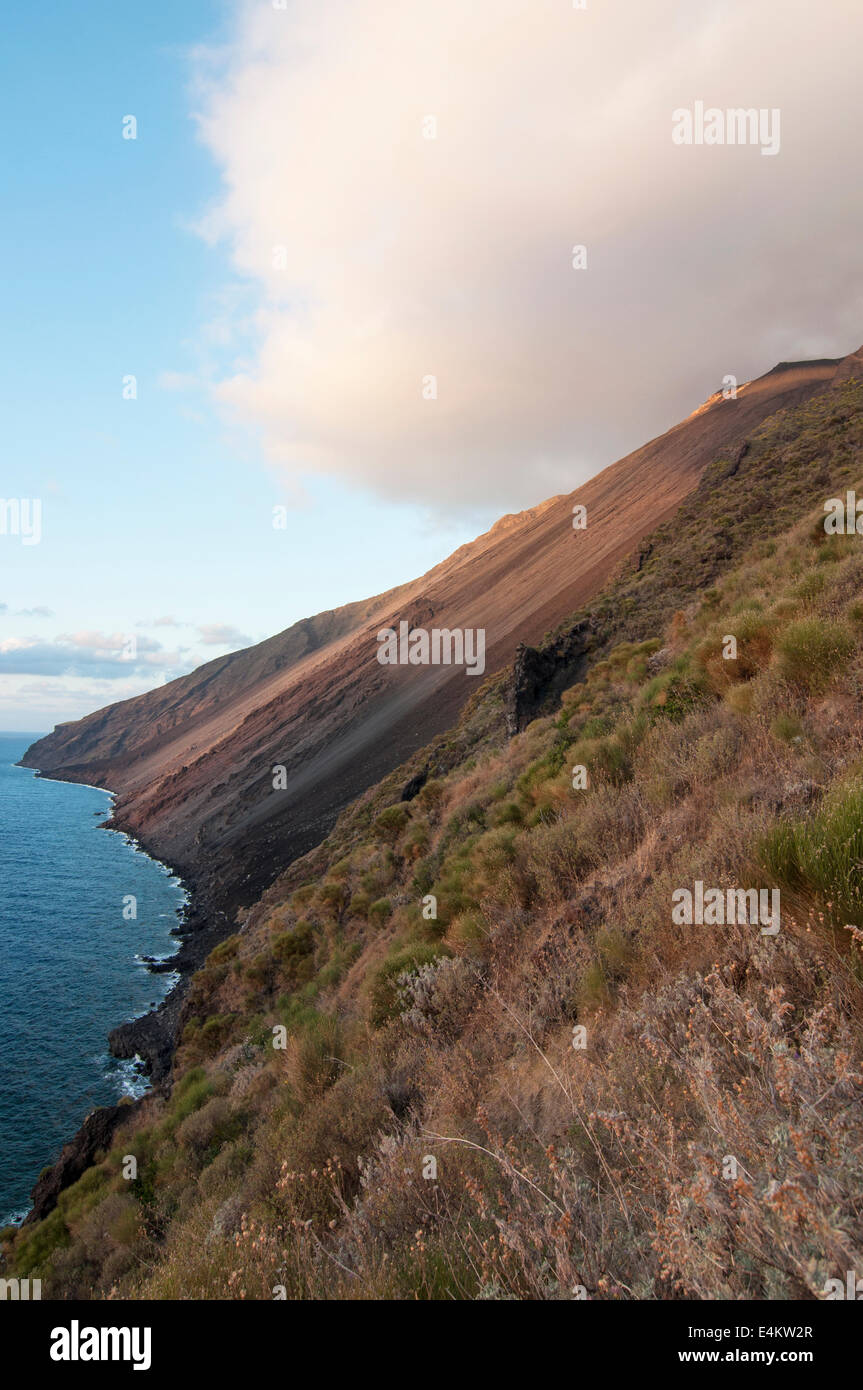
x=70, y=964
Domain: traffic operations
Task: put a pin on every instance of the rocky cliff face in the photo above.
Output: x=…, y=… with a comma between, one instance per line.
x=192, y=762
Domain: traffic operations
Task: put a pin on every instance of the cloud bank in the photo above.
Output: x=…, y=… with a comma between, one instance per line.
x=106, y=656
x=378, y=258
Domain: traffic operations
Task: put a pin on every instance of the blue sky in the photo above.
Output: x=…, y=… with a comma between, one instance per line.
x=157, y=507
x=319, y=215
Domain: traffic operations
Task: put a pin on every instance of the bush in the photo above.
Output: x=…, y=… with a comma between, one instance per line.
x=333, y=896
x=786, y=727
x=206, y=1130
x=467, y=934
x=431, y=795
x=417, y=841
x=312, y=1059
x=424, y=876
x=359, y=905
x=824, y=854
x=384, y=995
x=191, y=1092
x=812, y=650
x=291, y=946
x=552, y=857
x=380, y=911
x=390, y=824
x=37, y=1243
x=205, y=1040
x=224, y=952
x=676, y=695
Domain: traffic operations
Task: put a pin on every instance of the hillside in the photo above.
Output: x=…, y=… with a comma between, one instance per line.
x=462, y=1049
x=192, y=761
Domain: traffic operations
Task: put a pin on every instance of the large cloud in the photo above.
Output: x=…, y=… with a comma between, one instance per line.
x=405, y=257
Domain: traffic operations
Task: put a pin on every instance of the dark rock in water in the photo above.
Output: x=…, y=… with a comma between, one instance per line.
x=151, y=1037
x=157, y=966
x=94, y=1137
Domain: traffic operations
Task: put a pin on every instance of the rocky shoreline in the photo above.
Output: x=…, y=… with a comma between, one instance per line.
x=152, y=1036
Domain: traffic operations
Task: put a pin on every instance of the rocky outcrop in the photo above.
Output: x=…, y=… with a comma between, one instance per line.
x=152, y=1037
x=95, y=1137
x=540, y=674
x=414, y=786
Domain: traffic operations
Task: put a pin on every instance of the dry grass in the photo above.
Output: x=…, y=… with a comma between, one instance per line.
x=704, y=1142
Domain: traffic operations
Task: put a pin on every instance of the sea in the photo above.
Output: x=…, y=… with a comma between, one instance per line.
x=79, y=909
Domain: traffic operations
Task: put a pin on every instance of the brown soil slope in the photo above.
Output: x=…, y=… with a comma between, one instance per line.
x=192, y=761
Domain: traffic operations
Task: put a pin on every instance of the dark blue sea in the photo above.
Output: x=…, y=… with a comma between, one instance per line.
x=70, y=964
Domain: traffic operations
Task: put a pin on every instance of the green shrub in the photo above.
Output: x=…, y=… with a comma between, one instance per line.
x=291, y=946
x=225, y=951
x=259, y=971
x=496, y=849
x=40, y=1241
x=786, y=727
x=812, y=650
x=333, y=896
x=823, y=854
x=207, y=1038
x=190, y=1093
x=674, y=696
x=431, y=795
x=811, y=585
x=383, y=995
x=424, y=876
x=207, y=1129
x=313, y=1058
x=417, y=840
x=390, y=823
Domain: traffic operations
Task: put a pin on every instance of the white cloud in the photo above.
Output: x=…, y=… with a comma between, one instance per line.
x=223, y=635
x=407, y=257
x=105, y=656
x=38, y=612
x=39, y=703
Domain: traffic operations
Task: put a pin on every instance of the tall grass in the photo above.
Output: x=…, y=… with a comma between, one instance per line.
x=824, y=854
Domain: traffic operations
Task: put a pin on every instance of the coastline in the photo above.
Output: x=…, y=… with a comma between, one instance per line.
x=151, y=1036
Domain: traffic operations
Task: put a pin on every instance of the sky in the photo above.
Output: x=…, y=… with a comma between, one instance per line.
x=334, y=274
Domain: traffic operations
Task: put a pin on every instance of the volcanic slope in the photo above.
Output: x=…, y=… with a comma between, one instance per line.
x=192, y=761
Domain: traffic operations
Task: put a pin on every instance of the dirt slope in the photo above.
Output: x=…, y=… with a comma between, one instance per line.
x=192, y=761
